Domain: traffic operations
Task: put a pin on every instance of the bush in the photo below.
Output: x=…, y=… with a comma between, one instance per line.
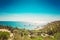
x=4, y=35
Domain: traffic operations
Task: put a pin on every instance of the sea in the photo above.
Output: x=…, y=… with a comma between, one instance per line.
x=18, y=24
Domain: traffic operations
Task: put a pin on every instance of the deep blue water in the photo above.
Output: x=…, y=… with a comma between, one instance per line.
x=17, y=24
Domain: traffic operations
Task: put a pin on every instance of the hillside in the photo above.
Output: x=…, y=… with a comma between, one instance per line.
x=52, y=27
x=51, y=31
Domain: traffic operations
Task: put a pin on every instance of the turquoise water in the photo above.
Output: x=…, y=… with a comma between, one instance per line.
x=17, y=24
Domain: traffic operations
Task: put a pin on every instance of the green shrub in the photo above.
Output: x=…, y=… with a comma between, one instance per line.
x=4, y=35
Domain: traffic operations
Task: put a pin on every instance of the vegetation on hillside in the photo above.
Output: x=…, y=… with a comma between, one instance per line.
x=51, y=31
x=52, y=28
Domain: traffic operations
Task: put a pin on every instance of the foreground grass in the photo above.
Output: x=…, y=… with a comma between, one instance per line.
x=24, y=36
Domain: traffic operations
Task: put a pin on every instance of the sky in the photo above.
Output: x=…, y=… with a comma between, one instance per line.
x=35, y=11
